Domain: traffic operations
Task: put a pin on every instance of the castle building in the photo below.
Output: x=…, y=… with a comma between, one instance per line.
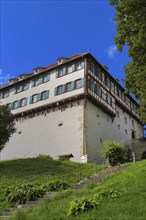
x=69, y=108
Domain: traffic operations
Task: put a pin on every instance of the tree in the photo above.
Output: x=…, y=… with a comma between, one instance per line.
x=131, y=31
x=7, y=125
x=115, y=152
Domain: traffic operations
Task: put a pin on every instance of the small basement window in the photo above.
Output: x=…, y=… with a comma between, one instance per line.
x=60, y=124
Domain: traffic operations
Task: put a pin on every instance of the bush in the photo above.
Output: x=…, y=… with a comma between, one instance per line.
x=115, y=152
x=57, y=185
x=82, y=205
x=24, y=192
x=87, y=203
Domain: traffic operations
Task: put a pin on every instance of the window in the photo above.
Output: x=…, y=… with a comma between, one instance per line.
x=70, y=68
x=61, y=72
x=78, y=84
x=125, y=131
x=104, y=96
x=79, y=65
x=36, y=82
x=45, y=78
x=25, y=86
x=98, y=73
x=59, y=90
x=15, y=104
x=108, y=82
x=123, y=97
x=34, y=98
x=91, y=84
x=109, y=100
x=112, y=86
x=125, y=120
x=44, y=95
x=68, y=87
x=19, y=89
x=5, y=94
x=23, y=102
x=103, y=77
x=97, y=89
x=118, y=126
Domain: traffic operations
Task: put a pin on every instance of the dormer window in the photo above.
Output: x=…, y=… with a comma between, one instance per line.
x=38, y=70
x=61, y=60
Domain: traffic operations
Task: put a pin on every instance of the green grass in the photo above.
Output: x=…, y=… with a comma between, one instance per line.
x=42, y=170
x=130, y=205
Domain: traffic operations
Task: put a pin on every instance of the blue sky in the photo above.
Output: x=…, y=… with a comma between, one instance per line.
x=36, y=33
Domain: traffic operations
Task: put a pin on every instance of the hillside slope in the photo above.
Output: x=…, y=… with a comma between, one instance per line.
x=129, y=184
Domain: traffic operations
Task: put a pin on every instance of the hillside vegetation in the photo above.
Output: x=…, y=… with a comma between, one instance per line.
x=128, y=202
x=40, y=170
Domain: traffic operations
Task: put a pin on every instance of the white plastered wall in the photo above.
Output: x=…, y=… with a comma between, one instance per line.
x=100, y=127
x=43, y=135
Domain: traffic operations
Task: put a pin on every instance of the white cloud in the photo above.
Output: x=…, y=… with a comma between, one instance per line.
x=4, y=78
x=111, y=51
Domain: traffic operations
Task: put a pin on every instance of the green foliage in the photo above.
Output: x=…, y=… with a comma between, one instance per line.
x=24, y=192
x=57, y=185
x=90, y=202
x=130, y=205
x=108, y=193
x=131, y=31
x=115, y=152
x=83, y=205
x=7, y=125
x=31, y=170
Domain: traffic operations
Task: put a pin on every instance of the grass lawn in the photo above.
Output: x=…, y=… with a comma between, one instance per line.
x=42, y=170
x=130, y=205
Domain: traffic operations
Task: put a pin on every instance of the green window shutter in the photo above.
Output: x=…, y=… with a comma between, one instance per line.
x=15, y=90
x=47, y=94
x=72, y=85
x=32, y=83
x=82, y=82
x=40, y=80
x=27, y=87
x=30, y=100
x=26, y=99
x=48, y=77
x=20, y=88
x=82, y=64
x=57, y=74
x=73, y=67
x=64, y=70
x=63, y=88
x=19, y=102
x=38, y=97
x=55, y=91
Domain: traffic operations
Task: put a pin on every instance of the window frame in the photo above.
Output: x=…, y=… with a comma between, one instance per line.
x=75, y=85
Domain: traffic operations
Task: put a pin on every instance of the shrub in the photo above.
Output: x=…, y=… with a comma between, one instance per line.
x=57, y=185
x=115, y=152
x=82, y=205
x=87, y=203
x=24, y=192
